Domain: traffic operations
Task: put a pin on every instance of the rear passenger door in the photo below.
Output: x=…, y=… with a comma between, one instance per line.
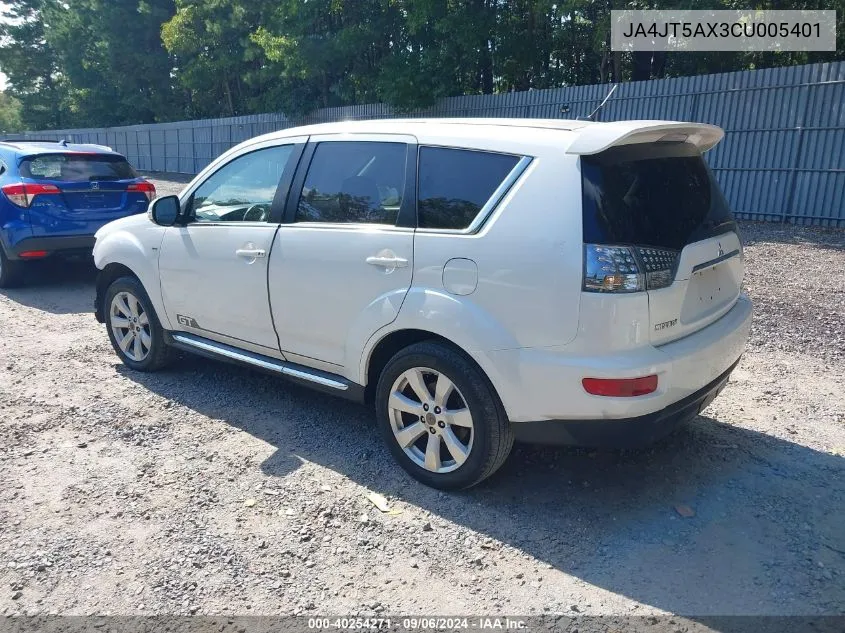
x=343, y=258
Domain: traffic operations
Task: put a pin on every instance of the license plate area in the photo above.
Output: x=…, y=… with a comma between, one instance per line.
x=708, y=285
x=708, y=292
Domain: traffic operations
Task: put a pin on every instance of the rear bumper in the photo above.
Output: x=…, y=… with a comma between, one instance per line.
x=622, y=433
x=59, y=244
x=545, y=384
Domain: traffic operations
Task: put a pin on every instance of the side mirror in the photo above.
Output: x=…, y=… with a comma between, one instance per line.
x=165, y=211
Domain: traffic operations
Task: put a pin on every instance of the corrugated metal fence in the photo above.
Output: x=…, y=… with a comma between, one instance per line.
x=782, y=160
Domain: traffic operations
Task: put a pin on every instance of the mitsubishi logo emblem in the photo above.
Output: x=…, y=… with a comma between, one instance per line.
x=96, y=185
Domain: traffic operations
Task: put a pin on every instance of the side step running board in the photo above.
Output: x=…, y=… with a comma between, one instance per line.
x=324, y=381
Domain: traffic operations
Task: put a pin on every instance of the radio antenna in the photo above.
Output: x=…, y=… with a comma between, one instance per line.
x=592, y=116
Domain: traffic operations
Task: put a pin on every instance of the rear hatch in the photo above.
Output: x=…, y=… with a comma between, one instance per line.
x=669, y=229
x=93, y=189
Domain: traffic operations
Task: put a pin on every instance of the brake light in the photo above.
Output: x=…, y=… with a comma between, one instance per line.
x=32, y=254
x=144, y=187
x=22, y=194
x=620, y=387
x=627, y=268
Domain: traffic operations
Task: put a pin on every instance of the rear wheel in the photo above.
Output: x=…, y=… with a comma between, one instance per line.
x=10, y=271
x=133, y=327
x=441, y=417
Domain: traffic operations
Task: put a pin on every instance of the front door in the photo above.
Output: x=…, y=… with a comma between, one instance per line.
x=342, y=262
x=214, y=269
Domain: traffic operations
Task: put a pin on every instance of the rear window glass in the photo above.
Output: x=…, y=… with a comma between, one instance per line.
x=77, y=167
x=354, y=181
x=654, y=194
x=455, y=183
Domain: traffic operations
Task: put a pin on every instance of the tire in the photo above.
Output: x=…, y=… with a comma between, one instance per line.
x=10, y=271
x=154, y=352
x=434, y=457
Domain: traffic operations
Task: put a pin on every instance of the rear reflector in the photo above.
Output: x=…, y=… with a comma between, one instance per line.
x=22, y=194
x=621, y=387
x=145, y=187
x=32, y=254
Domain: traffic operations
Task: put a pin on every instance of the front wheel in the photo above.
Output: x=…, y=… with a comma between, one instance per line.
x=441, y=417
x=133, y=327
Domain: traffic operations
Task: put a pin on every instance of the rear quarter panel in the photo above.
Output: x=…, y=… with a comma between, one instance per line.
x=529, y=260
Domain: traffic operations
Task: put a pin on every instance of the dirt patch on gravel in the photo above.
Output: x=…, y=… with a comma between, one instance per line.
x=208, y=488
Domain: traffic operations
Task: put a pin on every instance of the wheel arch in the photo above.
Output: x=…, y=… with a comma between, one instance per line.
x=105, y=278
x=393, y=342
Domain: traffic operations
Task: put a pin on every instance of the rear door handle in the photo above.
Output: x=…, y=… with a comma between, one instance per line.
x=250, y=253
x=388, y=262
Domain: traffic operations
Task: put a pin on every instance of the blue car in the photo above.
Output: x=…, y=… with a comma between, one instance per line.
x=55, y=195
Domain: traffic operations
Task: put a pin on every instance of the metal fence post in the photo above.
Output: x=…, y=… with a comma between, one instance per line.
x=788, y=208
x=193, y=149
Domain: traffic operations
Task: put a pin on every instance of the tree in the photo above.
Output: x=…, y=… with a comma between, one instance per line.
x=88, y=62
x=10, y=114
x=114, y=60
x=216, y=62
x=111, y=62
x=31, y=63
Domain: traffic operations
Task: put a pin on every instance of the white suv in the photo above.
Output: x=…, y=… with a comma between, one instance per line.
x=477, y=280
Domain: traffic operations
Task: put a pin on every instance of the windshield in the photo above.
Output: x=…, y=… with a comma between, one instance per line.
x=77, y=167
x=654, y=194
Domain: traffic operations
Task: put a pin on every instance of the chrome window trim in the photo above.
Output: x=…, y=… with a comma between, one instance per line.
x=232, y=223
x=359, y=226
x=492, y=203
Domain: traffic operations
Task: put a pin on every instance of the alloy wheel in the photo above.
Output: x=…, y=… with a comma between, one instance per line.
x=130, y=325
x=430, y=420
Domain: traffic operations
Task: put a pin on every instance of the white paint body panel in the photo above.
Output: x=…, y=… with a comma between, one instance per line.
x=202, y=278
x=512, y=298
x=134, y=242
x=327, y=300
x=545, y=383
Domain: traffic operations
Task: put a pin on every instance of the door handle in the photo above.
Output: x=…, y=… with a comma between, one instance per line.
x=387, y=262
x=251, y=253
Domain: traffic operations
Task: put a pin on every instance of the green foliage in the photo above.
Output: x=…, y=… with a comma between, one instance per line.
x=88, y=62
x=10, y=113
x=111, y=62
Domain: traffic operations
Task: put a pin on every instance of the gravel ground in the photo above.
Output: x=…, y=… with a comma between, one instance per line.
x=212, y=489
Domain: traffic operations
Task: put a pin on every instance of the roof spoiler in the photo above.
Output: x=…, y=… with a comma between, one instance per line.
x=593, y=139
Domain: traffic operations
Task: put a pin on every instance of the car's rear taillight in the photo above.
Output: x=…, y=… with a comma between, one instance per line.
x=620, y=387
x=145, y=187
x=22, y=194
x=627, y=268
x=659, y=266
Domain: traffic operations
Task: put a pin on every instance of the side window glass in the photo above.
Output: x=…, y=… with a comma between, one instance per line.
x=354, y=181
x=454, y=184
x=242, y=190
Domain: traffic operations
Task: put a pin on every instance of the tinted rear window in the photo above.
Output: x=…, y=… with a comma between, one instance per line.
x=354, y=181
x=652, y=194
x=456, y=183
x=77, y=167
